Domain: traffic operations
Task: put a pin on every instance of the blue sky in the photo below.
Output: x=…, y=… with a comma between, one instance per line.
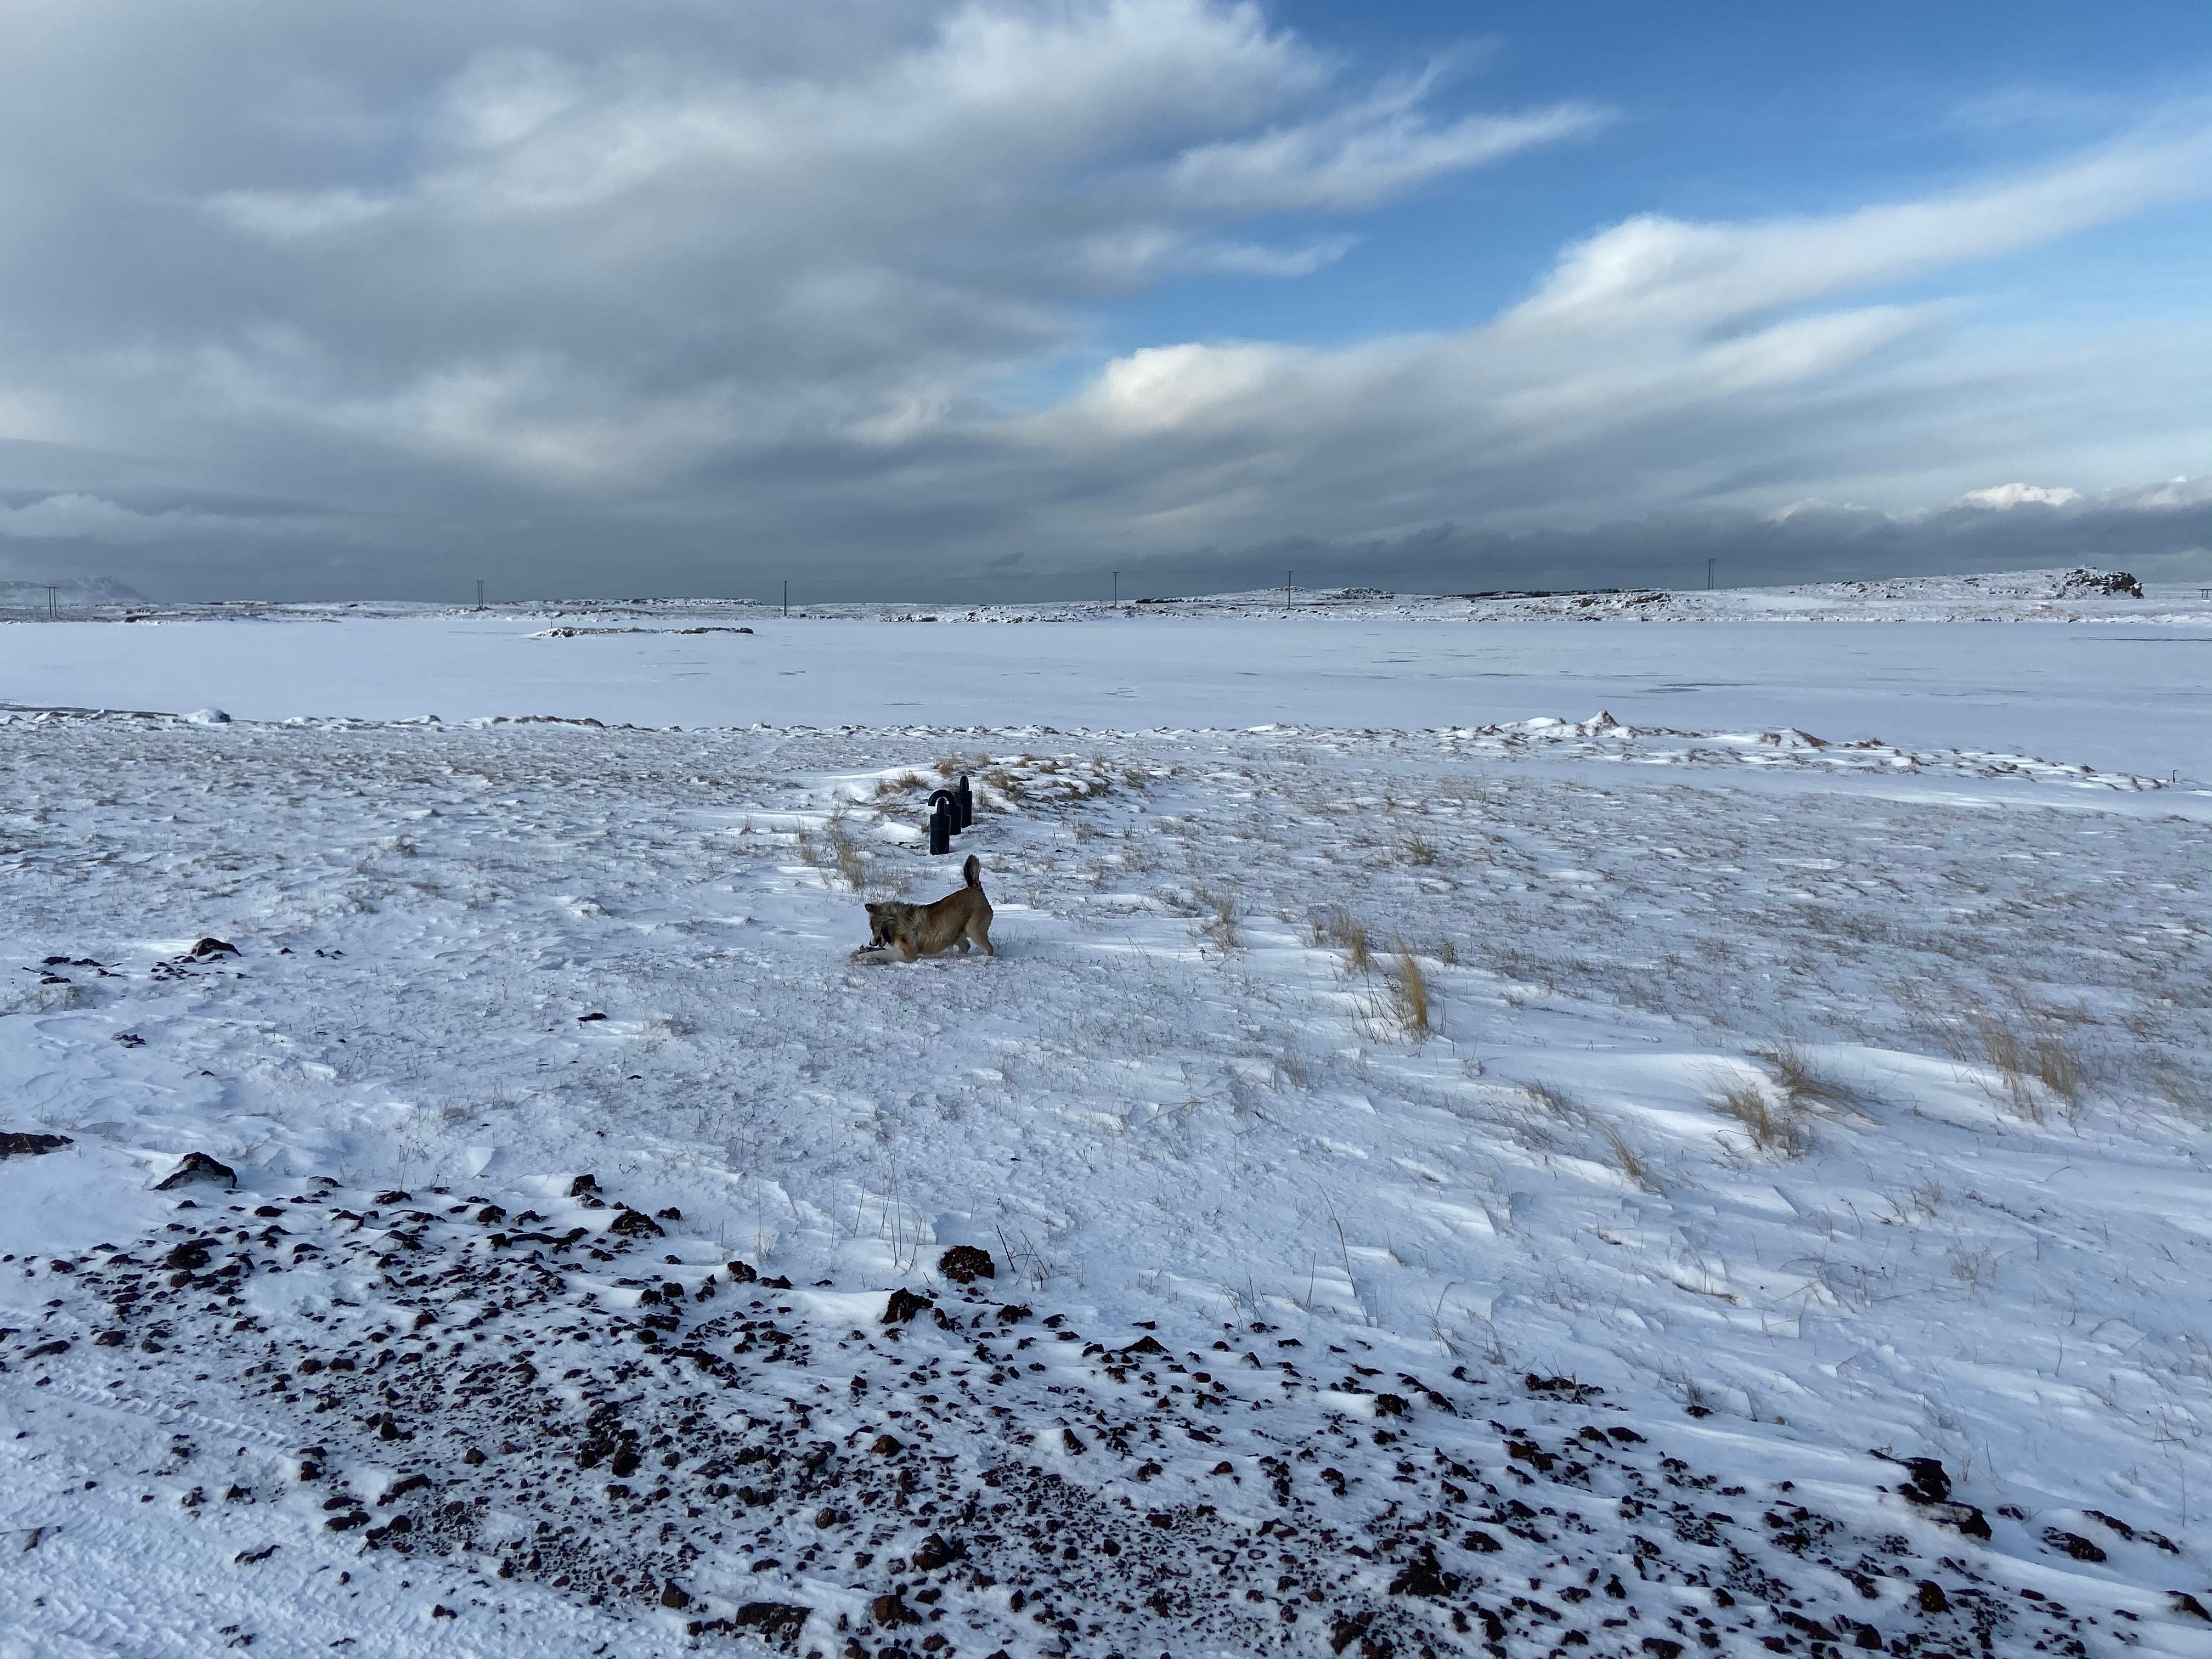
x=993, y=296
x=1734, y=112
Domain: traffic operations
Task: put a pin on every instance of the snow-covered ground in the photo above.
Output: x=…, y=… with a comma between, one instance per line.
x=1454, y=1181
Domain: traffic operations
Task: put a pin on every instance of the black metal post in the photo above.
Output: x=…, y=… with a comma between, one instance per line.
x=942, y=816
x=965, y=798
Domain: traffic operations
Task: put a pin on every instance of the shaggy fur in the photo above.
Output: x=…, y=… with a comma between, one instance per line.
x=923, y=930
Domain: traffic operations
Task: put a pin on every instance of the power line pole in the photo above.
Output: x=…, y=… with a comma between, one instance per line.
x=480, y=592
x=786, y=595
x=1709, y=563
x=53, y=605
x=1287, y=574
x=1117, y=590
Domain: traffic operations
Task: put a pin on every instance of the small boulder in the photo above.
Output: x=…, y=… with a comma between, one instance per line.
x=635, y=1224
x=15, y=1143
x=208, y=949
x=196, y=1167
x=933, y=1554
x=963, y=1264
x=892, y=1610
x=778, y=1622
x=904, y=1305
x=2071, y=1543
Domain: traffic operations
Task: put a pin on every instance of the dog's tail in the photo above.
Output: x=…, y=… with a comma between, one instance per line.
x=973, y=870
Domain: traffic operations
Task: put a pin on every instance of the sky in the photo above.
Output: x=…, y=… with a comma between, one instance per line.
x=974, y=300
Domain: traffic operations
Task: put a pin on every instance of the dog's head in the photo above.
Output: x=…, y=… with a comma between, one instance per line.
x=884, y=922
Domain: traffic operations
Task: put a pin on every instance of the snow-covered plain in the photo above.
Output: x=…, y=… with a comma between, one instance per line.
x=1455, y=1180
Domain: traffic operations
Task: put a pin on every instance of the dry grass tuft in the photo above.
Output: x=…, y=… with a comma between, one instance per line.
x=1801, y=1081
x=1221, y=926
x=2185, y=1091
x=1780, y=1127
x=904, y=783
x=1417, y=848
x=2036, y=1062
x=1409, y=992
x=1630, y=1160
x=1555, y=1101
x=1341, y=931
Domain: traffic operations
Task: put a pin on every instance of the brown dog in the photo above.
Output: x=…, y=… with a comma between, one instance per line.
x=923, y=930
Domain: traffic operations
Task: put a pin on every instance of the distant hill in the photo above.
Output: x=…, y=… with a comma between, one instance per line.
x=77, y=592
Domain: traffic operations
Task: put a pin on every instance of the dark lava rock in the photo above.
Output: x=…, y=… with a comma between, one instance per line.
x=1965, y=1517
x=2071, y=1543
x=904, y=1306
x=208, y=949
x=740, y=1273
x=1424, y=1575
x=674, y=1595
x=1931, y=1597
x=19, y=1144
x=671, y=1213
x=1926, y=1482
x=886, y=1446
x=1389, y=1405
x=934, y=1553
x=891, y=1609
x=2114, y=584
x=963, y=1264
x=197, y=1166
x=189, y=1256
x=635, y=1224
x=2182, y=1601
x=779, y=1622
x=584, y=1183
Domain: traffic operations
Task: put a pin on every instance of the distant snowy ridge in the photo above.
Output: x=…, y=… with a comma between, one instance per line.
x=74, y=592
x=2073, y=594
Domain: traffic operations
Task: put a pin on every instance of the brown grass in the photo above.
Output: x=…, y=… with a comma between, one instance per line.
x=1780, y=1127
x=1409, y=991
x=1625, y=1155
x=1803, y=1083
x=1341, y=931
x=2035, y=1062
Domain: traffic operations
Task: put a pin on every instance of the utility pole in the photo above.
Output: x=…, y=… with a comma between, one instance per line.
x=53, y=605
x=1709, y=563
x=1287, y=574
x=786, y=595
x=1117, y=590
x=480, y=592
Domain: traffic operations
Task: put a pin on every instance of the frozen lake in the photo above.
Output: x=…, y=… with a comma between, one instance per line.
x=2118, y=698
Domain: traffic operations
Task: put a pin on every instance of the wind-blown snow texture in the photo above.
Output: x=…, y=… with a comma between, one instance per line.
x=1781, y=1112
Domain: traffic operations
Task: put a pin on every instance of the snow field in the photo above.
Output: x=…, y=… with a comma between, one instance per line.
x=1845, y=1099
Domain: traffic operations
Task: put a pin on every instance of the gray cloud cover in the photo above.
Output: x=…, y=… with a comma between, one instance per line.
x=679, y=297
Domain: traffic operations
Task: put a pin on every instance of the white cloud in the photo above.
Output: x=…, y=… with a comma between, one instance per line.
x=95, y=518
x=2000, y=496
x=1364, y=156
x=837, y=274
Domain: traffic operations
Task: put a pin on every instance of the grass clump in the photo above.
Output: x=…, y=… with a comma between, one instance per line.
x=1341, y=931
x=1780, y=1127
x=1408, y=988
x=2036, y=1062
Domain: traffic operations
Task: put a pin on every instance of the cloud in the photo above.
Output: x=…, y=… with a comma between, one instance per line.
x=730, y=290
x=2012, y=495
x=111, y=524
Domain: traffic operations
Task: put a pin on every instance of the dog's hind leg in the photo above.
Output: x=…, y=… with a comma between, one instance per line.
x=981, y=932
